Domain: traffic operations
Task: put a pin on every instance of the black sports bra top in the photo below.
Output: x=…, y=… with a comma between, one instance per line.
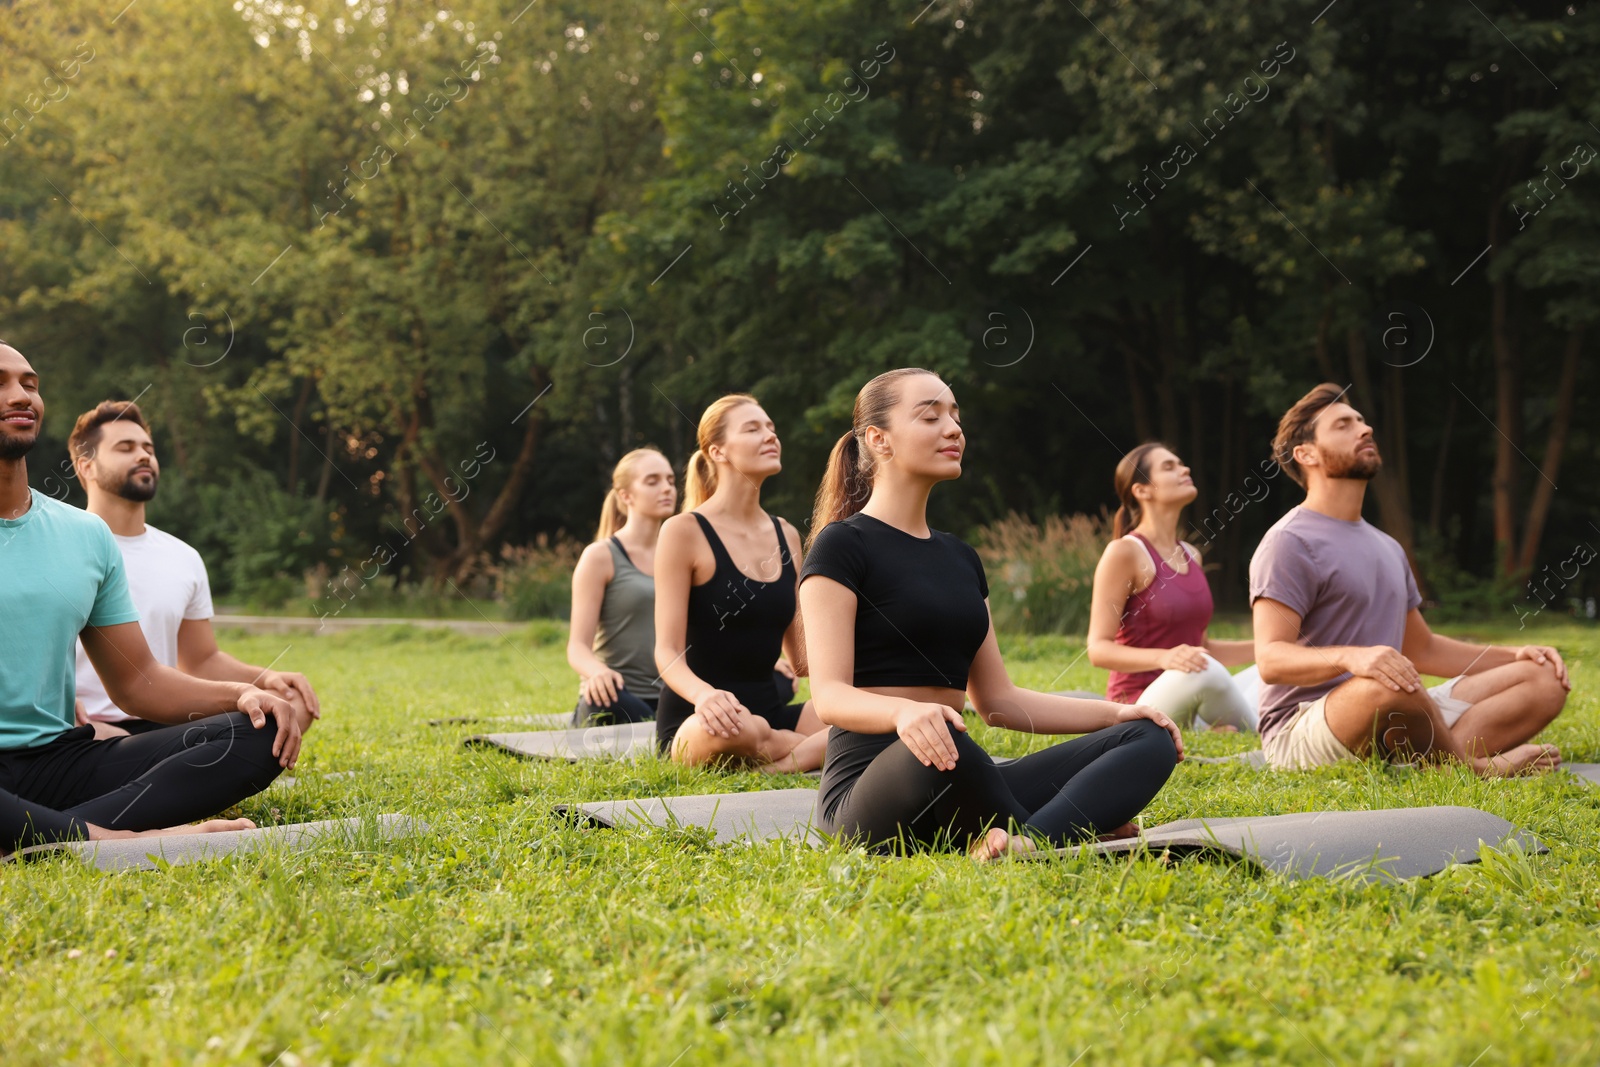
x=734, y=632
x=736, y=624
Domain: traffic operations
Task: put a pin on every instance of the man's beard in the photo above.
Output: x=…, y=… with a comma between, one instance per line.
x=1356, y=465
x=131, y=490
x=17, y=447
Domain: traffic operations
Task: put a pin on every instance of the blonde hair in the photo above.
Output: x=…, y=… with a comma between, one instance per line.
x=612, y=513
x=847, y=483
x=700, y=478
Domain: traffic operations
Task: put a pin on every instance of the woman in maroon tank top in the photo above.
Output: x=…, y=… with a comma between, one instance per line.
x=1152, y=604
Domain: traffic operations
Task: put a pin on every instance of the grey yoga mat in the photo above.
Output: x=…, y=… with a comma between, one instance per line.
x=1388, y=845
x=1254, y=758
x=135, y=853
x=1374, y=846
x=624, y=741
x=553, y=721
x=1589, y=772
x=758, y=816
x=289, y=781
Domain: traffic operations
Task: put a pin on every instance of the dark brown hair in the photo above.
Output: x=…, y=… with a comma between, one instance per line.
x=85, y=437
x=1299, y=427
x=1132, y=470
x=847, y=483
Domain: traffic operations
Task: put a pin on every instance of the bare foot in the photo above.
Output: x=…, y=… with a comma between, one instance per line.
x=1524, y=759
x=997, y=843
x=805, y=753
x=210, y=826
x=784, y=764
x=1224, y=728
x=1122, y=832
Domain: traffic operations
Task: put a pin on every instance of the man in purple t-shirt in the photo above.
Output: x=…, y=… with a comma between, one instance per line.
x=1341, y=645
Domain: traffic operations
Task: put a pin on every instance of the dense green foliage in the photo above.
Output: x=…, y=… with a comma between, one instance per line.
x=504, y=935
x=339, y=252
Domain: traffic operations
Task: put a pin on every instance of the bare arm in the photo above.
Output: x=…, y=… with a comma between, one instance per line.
x=794, y=638
x=1447, y=657
x=717, y=709
x=831, y=606
x=589, y=580
x=1285, y=661
x=140, y=686
x=1232, y=653
x=1001, y=702
x=199, y=656
x=1115, y=579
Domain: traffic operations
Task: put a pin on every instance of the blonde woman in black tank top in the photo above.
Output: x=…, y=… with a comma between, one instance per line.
x=611, y=641
x=726, y=578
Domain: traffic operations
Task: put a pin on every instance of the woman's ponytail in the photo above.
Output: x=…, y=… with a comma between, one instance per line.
x=612, y=514
x=847, y=483
x=700, y=476
x=699, y=480
x=1124, y=520
x=844, y=489
x=1131, y=470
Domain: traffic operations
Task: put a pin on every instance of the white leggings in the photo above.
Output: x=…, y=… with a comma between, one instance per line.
x=1211, y=697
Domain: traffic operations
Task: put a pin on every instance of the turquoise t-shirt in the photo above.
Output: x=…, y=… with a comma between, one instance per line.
x=62, y=572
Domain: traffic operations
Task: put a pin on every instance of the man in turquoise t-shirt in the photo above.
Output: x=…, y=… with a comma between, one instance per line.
x=65, y=581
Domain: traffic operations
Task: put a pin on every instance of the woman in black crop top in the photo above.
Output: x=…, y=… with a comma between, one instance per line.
x=899, y=633
x=725, y=606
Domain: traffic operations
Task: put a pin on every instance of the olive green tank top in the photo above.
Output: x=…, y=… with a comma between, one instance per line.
x=625, y=639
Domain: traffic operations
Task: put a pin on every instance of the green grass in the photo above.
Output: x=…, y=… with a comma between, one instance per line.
x=504, y=935
x=377, y=606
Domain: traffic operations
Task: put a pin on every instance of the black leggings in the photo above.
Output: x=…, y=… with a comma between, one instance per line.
x=1071, y=791
x=626, y=708
x=142, y=782
x=139, y=726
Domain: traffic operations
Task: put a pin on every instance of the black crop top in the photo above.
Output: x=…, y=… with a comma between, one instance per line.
x=920, y=619
x=920, y=612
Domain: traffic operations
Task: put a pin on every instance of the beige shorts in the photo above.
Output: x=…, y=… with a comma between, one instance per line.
x=1306, y=741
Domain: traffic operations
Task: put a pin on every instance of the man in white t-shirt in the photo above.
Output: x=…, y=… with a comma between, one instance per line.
x=116, y=462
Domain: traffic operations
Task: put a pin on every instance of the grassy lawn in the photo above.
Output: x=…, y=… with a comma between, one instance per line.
x=504, y=935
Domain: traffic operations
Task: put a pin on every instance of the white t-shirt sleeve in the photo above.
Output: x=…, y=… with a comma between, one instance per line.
x=199, y=606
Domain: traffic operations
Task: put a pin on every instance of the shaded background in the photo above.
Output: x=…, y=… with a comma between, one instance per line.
x=337, y=252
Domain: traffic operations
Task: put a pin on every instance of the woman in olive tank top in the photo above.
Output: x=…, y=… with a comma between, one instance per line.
x=613, y=634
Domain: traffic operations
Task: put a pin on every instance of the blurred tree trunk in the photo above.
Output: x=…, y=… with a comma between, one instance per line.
x=1436, y=504
x=1508, y=421
x=1555, y=446
x=1391, y=487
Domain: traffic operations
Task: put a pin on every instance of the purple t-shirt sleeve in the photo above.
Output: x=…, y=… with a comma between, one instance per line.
x=1283, y=569
x=1413, y=596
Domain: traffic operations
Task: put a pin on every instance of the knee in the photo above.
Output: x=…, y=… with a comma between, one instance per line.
x=1152, y=737
x=258, y=742
x=232, y=728
x=699, y=744
x=1549, y=695
x=1374, y=696
x=1546, y=687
